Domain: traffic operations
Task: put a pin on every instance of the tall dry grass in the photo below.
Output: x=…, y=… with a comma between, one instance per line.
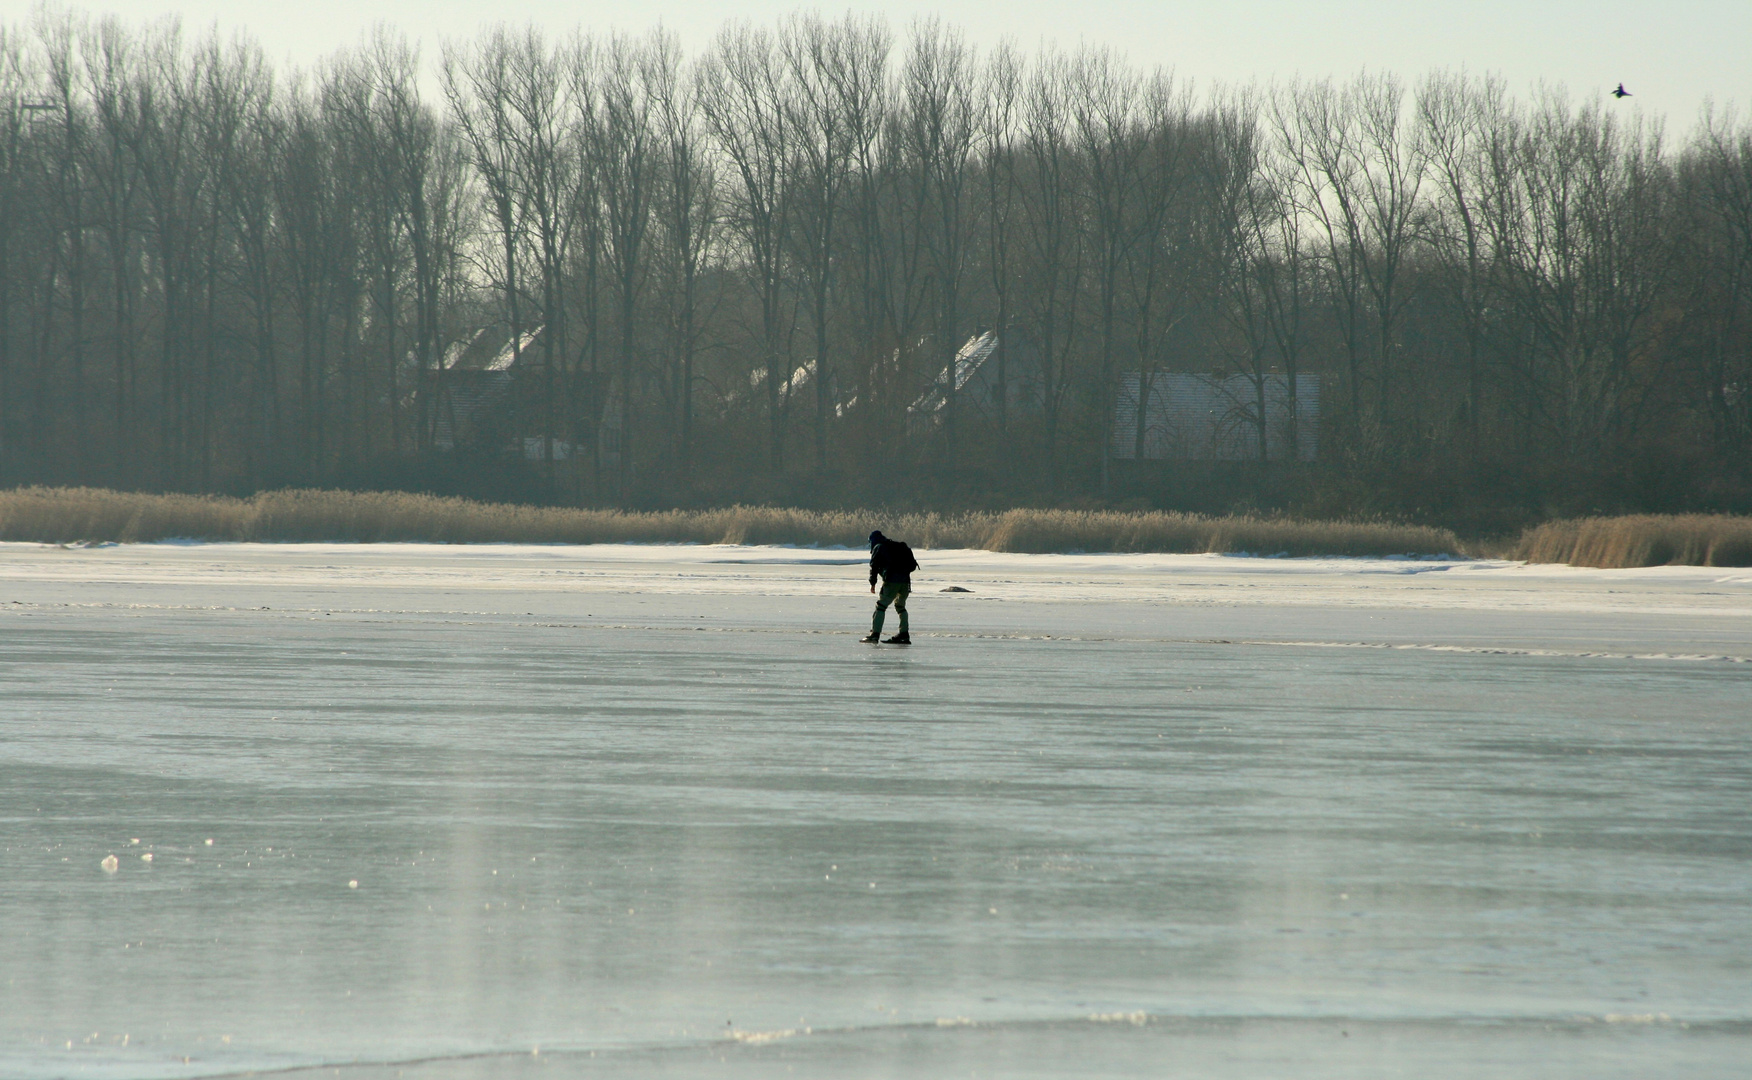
x=1077, y=530
x=59, y=515
x=1641, y=540
x=63, y=515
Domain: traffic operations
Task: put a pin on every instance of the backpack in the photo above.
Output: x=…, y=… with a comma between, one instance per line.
x=902, y=559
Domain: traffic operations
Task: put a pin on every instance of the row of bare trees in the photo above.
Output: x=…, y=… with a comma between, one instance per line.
x=756, y=261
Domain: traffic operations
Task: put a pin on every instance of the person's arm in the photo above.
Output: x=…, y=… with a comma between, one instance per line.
x=873, y=552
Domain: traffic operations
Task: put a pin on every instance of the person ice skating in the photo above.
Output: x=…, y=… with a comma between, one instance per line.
x=893, y=562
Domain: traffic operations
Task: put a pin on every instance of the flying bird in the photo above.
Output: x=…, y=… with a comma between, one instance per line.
x=1621, y=92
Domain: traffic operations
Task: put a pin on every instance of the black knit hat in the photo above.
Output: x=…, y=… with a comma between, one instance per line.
x=877, y=535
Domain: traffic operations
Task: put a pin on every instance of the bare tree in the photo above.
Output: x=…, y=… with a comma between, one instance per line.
x=687, y=217
x=111, y=59
x=1001, y=104
x=17, y=83
x=1237, y=201
x=1360, y=174
x=745, y=96
x=939, y=116
x=1286, y=282
x=628, y=163
x=1593, y=262
x=231, y=80
x=1717, y=176
x=217, y=275
x=307, y=205
x=1112, y=146
x=249, y=201
x=364, y=106
x=865, y=96
x=58, y=34
x=833, y=67
x=409, y=159
x=1051, y=227
x=164, y=143
x=479, y=86
x=1311, y=123
x=1160, y=264
x=545, y=169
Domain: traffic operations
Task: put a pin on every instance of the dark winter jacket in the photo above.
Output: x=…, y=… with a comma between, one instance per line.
x=893, y=561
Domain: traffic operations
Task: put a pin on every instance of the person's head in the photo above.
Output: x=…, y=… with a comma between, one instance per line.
x=876, y=537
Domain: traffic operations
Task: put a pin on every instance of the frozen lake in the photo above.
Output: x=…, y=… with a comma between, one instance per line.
x=444, y=812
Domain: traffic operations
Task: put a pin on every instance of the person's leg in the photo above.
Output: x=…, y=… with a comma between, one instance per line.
x=882, y=600
x=900, y=607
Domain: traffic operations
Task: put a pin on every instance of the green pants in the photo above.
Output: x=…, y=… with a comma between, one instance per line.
x=891, y=594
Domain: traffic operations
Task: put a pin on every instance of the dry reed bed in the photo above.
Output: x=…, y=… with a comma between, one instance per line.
x=64, y=515
x=1641, y=540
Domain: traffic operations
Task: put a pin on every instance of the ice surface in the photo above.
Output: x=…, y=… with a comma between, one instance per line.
x=651, y=811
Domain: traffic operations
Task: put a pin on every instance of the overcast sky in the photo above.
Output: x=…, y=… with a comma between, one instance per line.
x=1671, y=54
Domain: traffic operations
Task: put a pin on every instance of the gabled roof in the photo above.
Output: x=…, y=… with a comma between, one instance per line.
x=968, y=359
x=490, y=349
